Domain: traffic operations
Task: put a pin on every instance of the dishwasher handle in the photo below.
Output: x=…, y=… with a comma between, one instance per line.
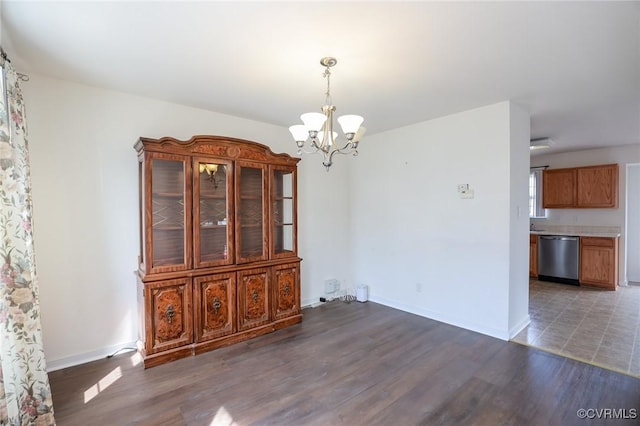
x=552, y=237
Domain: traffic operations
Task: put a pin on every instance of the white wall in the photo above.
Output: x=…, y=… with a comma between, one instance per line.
x=622, y=155
x=388, y=219
x=633, y=224
x=520, y=135
x=85, y=184
x=422, y=248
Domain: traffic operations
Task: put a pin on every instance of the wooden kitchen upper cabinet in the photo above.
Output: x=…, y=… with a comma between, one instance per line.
x=581, y=187
x=597, y=186
x=559, y=188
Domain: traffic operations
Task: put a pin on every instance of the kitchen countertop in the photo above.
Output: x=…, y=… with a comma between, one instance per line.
x=577, y=233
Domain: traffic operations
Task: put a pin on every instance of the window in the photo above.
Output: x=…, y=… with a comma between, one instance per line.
x=535, y=195
x=4, y=117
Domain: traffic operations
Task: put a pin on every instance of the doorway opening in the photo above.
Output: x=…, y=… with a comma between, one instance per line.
x=632, y=225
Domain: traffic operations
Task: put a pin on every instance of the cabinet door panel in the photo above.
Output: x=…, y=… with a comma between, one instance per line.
x=213, y=212
x=253, y=298
x=169, y=315
x=283, y=212
x=559, y=188
x=596, y=265
x=599, y=262
x=168, y=217
x=215, y=299
x=286, y=295
x=598, y=186
x=533, y=256
x=251, y=212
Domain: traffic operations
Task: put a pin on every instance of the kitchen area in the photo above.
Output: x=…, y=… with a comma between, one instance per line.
x=580, y=255
x=584, y=302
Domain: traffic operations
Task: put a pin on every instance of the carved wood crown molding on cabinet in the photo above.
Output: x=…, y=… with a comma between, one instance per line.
x=218, y=259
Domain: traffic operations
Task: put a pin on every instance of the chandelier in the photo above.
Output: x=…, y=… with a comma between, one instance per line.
x=318, y=127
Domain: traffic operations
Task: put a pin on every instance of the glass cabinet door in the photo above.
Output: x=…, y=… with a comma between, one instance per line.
x=169, y=215
x=283, y=205
x=251, y=212
x=213, y=217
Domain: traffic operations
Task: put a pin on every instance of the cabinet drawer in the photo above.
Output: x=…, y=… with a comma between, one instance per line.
x=597, y=241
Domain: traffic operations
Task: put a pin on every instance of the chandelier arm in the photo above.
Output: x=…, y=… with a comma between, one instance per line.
x=347, y=146
x=314, y=144
x=343, y=151
x=347, y=149
x=313, y=150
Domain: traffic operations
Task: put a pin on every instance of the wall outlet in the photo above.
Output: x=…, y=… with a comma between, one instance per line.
x=331, y=286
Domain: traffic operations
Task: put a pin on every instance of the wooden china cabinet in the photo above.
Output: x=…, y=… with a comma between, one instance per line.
x=218, y=257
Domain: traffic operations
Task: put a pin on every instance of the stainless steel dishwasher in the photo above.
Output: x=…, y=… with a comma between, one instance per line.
x=558, y=258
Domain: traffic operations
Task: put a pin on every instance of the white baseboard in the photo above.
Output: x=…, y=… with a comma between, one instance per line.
x=458, y=322
x=83, y=358
x=513, y=332
x=310, y=303
x=59, y=364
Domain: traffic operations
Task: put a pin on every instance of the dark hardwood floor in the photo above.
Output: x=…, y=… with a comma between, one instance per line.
x=351, y=364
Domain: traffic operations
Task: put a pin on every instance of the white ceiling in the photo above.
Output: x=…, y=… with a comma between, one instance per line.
x=574, y=65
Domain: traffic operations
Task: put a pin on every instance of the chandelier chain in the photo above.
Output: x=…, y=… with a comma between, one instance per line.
x=327, y=75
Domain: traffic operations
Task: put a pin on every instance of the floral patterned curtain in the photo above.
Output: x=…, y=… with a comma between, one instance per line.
x=25, y=396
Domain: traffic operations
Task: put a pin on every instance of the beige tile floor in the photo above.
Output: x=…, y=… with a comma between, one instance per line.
x=594, y=326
